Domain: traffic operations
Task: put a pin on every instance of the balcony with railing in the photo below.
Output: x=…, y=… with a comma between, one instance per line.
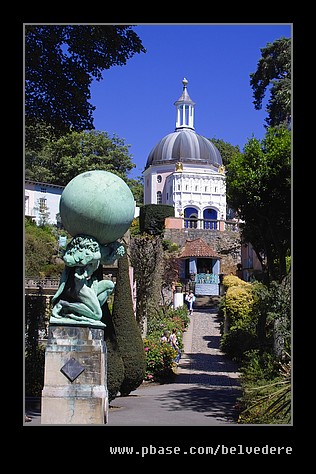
x=210, y=224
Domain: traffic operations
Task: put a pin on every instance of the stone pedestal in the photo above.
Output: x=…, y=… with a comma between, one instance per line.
x=75, y=381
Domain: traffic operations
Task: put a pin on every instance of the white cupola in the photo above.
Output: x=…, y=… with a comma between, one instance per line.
x=185, y=109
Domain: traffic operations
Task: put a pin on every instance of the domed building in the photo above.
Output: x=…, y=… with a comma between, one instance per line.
x=185, y=170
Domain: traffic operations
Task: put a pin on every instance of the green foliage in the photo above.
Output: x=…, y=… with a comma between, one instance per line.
x=159, y=359
x=41, y=249
x=259, y=186
x=35, y=307
x=237, y=342
x=147, y=261
x=255, y=324
x=62, y=159
x=34, y=372
x=115, y=364
x=61, y=61
x=266, y=390
x=137, y=188
x=134, y=228
x=170, y=246
x=238, y=303
x=167, y=318
x=250, y=311
x=233, y=280
x=152, y=218
x=128, y=336
x=226, y=149
x=160, y=355
x=258, y=367
x=274, y=69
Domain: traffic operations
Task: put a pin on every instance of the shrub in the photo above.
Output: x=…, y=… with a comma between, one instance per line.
x=128, y=335
x=115, y=365
x=35, y=311
x=160, y=356
x=159, y=359
x=266, y=390
x=152, y=218
x=34, y=371
x=233, y=280
x=237, y=342
x=239, y=301
x=168, y=318
x=258, y=367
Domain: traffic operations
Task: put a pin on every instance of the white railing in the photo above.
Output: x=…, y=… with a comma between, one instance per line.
x=45, y=283
x=210, y=224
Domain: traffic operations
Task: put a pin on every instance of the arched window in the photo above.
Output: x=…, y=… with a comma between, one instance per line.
x=159, y=197
x=210, y=219
x=190, y=217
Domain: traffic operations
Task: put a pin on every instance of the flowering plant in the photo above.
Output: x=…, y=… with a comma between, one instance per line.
x=159, y=359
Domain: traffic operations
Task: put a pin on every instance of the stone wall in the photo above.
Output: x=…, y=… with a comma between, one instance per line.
x=227, y=244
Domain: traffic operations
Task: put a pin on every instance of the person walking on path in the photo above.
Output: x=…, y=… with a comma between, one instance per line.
x=174, y=343
x=190, y=298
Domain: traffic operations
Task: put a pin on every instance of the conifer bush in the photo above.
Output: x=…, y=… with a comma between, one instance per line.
x=128, y=335
x=115, y=365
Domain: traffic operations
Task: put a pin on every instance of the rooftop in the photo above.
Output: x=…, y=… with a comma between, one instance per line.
x=198, y=248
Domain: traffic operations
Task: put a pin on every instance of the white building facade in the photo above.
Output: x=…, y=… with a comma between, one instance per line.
x=185, y=170
x=42, y=199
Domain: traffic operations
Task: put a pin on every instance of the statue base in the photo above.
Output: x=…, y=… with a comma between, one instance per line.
x=75, y=388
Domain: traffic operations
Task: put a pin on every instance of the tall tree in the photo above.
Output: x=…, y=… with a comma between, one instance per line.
x=274, y=69
x=62, y=159
x=259, y=187
x=61, y=61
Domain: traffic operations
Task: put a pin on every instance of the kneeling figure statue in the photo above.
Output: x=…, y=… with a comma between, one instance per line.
x=80, y=296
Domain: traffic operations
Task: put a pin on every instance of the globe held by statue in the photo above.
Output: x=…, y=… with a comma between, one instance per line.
x=97, y=203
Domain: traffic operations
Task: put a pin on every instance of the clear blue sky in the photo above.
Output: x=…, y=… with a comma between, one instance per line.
x=135, y=101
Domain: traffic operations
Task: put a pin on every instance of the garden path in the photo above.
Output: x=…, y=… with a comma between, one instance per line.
x=204, y=392
x=205, y=389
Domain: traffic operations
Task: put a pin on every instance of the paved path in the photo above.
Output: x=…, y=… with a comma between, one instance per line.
x=203, y=394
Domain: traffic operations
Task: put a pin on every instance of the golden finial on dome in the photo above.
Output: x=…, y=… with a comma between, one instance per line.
x=179, y=166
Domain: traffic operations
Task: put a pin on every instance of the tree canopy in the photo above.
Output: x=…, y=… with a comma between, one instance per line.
x=60, y=63
x=274, y=69
x=226, y=149
x=62, y=159
x=259, y=188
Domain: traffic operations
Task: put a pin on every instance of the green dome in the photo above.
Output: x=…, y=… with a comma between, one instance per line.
x=99, y=204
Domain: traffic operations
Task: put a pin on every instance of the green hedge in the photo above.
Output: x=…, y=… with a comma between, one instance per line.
x=152, y=218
